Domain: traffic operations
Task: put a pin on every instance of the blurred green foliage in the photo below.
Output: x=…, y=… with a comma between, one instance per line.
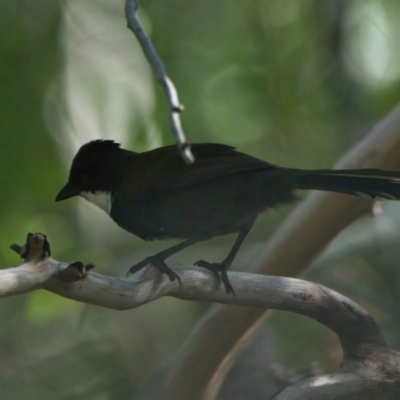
x=294, y=82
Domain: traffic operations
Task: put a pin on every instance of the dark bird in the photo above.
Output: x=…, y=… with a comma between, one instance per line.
x=154, y=195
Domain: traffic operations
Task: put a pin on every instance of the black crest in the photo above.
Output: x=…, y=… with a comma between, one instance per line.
x=91, y=151
x=99, y=145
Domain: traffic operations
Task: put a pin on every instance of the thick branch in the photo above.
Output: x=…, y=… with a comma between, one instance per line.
x=167, y=85
x=200, y=368
x=357, y=331
x=368, y=383
x=368, y=363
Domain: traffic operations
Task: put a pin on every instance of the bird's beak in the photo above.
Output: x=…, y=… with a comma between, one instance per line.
x=67, y=192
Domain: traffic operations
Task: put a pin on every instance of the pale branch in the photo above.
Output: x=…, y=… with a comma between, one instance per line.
x=200, y=369
x=357, y=331
x=366, y=383
x=170, y=92
x=365, y=352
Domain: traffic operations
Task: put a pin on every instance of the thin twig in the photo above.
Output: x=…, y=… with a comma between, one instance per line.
x=167, y=85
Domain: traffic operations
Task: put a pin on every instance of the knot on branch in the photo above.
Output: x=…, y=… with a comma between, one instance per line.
x=178, y=109
x=35, y=248
x=75, y=271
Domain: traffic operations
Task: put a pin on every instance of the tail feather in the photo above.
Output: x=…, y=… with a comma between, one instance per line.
x=366, y=183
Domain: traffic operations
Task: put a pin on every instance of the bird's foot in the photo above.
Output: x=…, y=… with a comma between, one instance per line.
x=220, y=269
x=158, y=263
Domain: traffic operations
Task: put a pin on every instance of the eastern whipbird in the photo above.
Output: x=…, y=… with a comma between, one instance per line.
x=155, y=195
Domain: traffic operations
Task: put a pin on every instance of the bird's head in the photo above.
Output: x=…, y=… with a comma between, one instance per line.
x=95, y=168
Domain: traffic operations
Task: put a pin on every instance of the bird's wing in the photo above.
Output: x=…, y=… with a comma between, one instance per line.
x=166, y=172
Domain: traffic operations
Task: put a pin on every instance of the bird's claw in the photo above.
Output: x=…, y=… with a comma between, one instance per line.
x=220, y=269
x=137, y=267
x=158, y=263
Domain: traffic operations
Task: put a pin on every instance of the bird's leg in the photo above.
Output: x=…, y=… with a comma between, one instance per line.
x=158, y=260
x=222, y=267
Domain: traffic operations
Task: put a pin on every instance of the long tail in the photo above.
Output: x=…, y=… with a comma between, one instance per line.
x=366, y=183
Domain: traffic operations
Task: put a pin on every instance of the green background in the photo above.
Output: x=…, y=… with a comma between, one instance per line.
x=295, y=83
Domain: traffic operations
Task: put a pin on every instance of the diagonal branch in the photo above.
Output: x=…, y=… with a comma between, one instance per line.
x=171, y=94
x=200, y=369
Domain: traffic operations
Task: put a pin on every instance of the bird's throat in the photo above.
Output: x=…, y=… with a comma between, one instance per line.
x=101, y=199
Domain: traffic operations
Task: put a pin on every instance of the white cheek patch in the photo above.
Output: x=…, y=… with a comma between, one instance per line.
x=102, y=200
